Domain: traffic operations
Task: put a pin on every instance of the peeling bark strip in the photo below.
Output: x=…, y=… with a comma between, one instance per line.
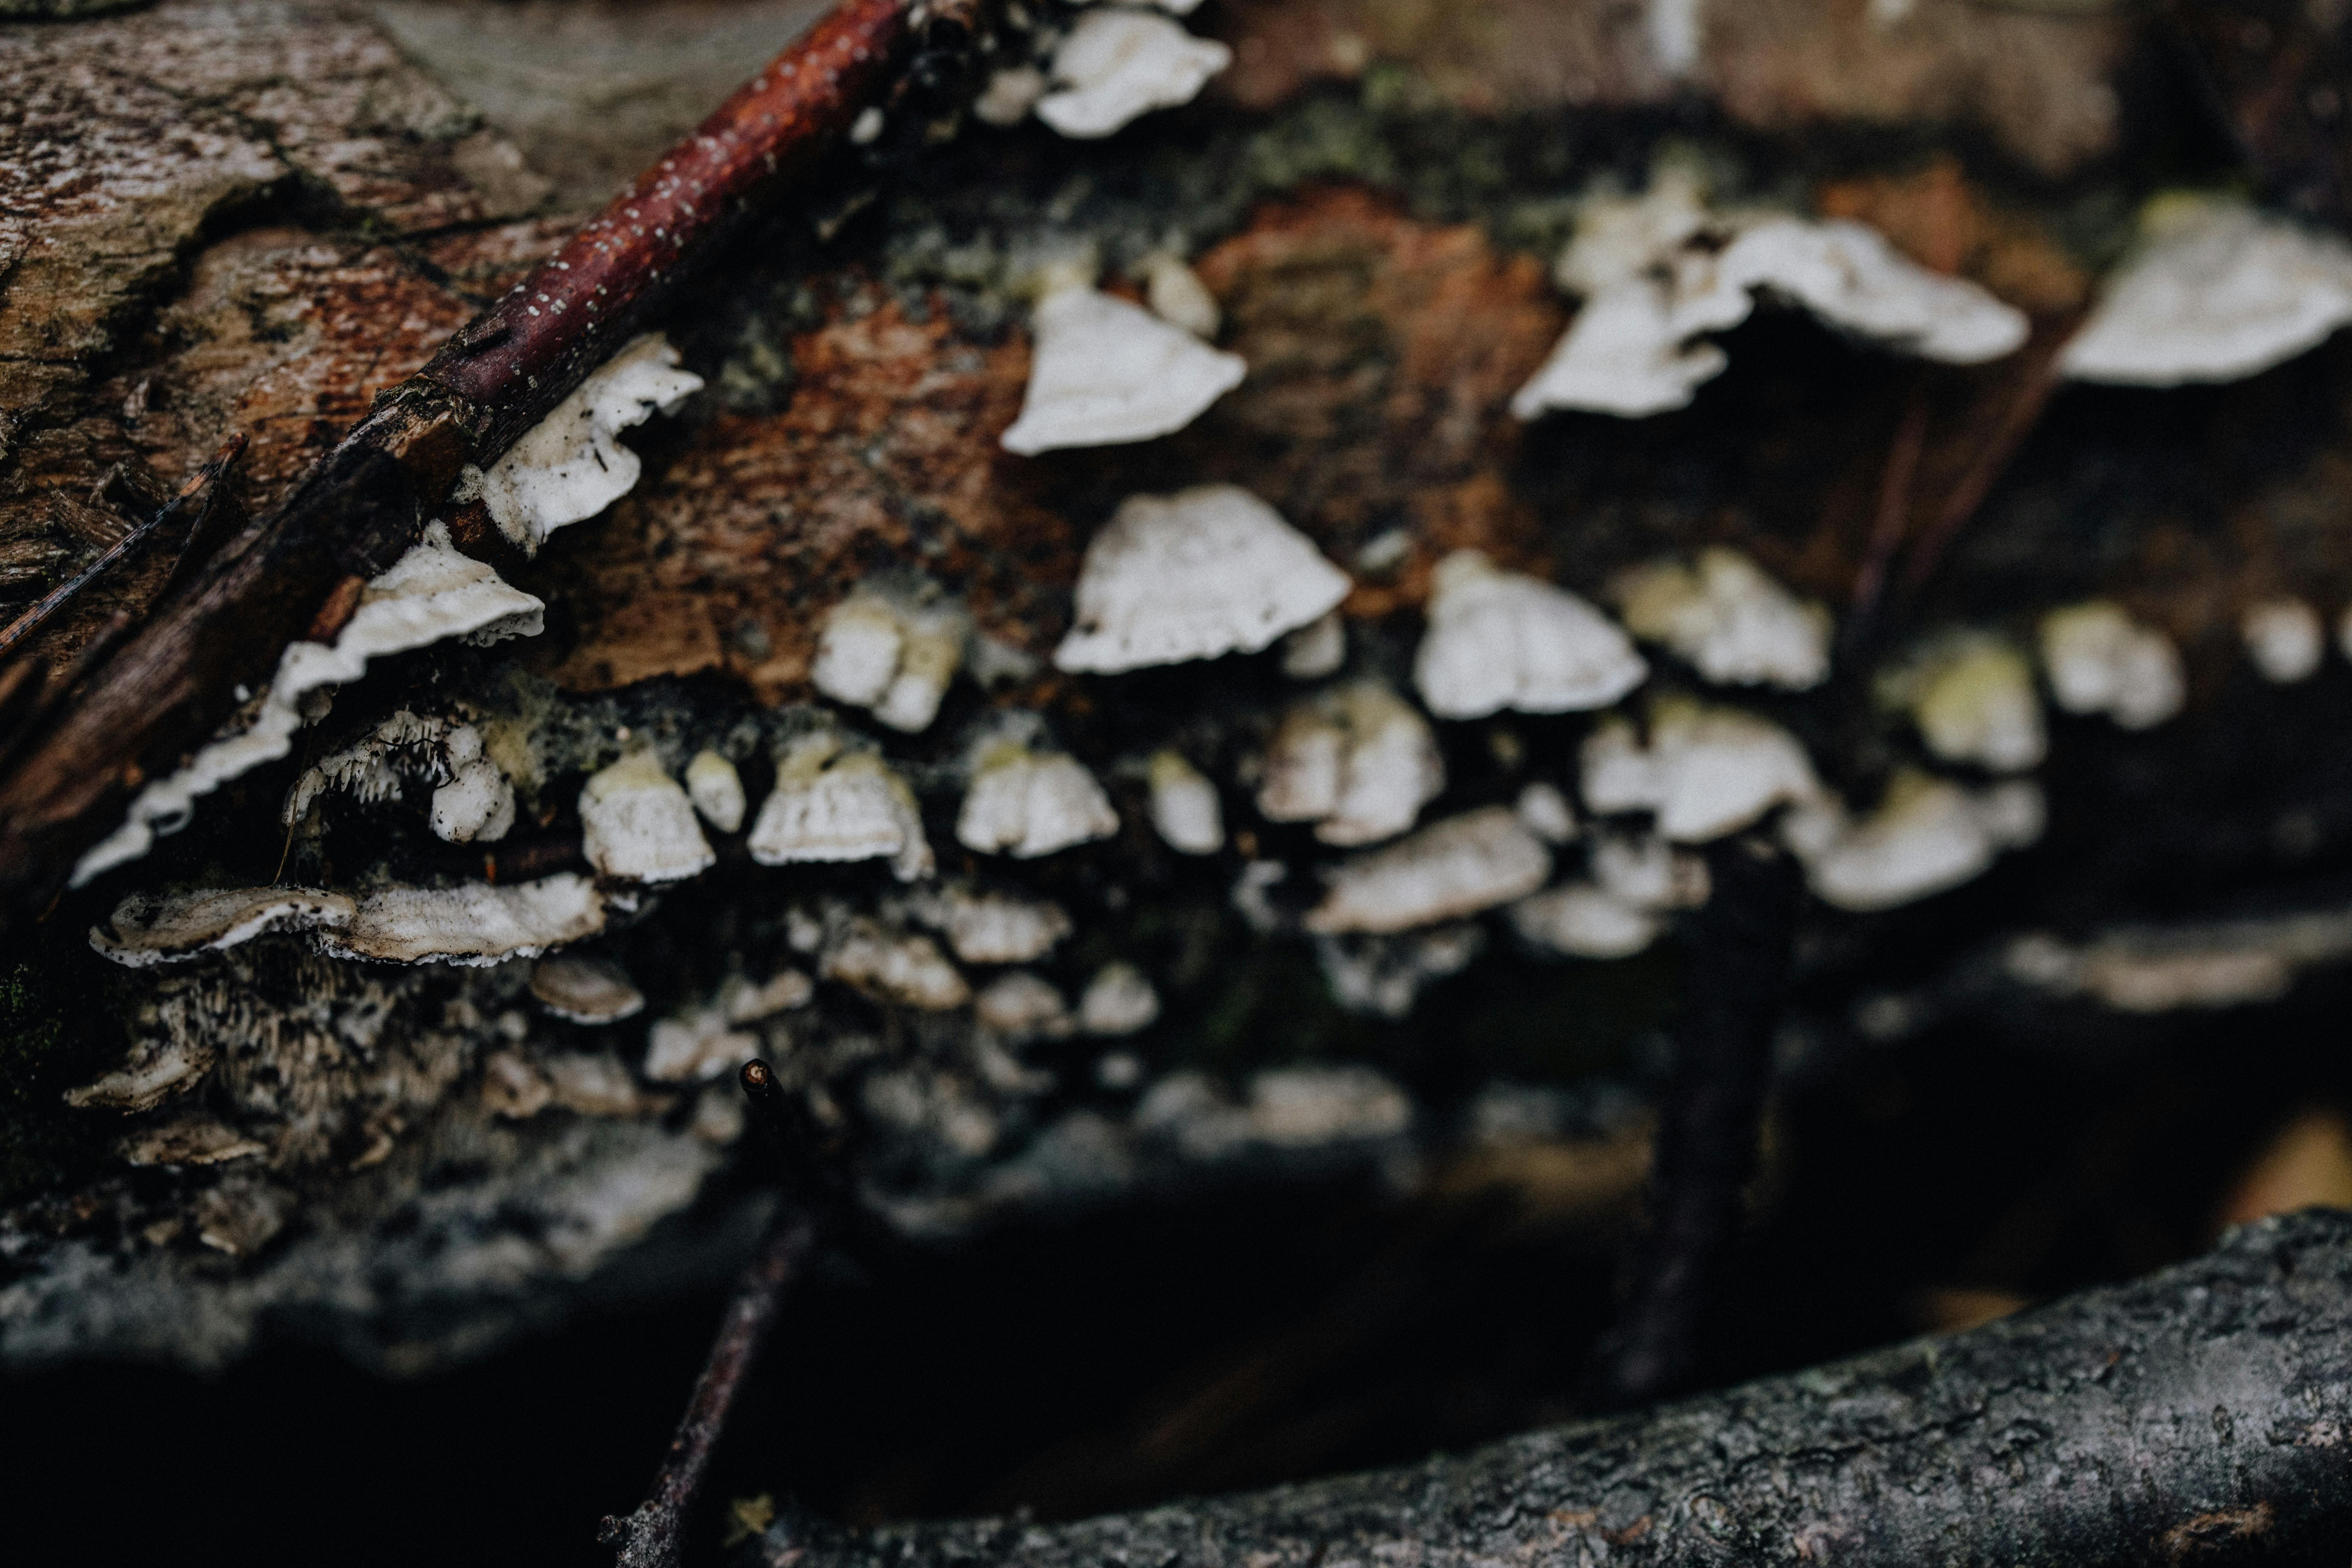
x=2201, y=1415
x=173, y=684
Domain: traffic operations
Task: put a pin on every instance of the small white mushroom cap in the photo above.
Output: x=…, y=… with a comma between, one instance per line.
x=1448, y=869
x=1585, y=922
x=1641, y=870
x=1850, y=276
x=1177, y=295
x=746, y=1002
x=696, y=1048
x=1972, y=696
x=1116, y=65
x=1545, y=812
x=2100, y=660
x=716, y=789
x=1500, y=639
x=477, y=804
x=894, y=966
x=892, y=653
x=829, y=805
x=1022, y=1006
x=572, y=465
x=2284, y=638
x=1119, y=1000
x=1316, y=649
x=1630, y=351
x=1184, y=806
x=992, y=928
x=2216, y=291
x=1104, y=372
x=1927, y=834
x=1010, y=95
x=433, y=591
x=637, y=824
x=1357, y=761
x=1619, y=237
x=1208, y=570
x=585, y=990
x=1707, y=771
x=1026, y=804
x=472, y=924
x=1728, y=619
x=147, y=928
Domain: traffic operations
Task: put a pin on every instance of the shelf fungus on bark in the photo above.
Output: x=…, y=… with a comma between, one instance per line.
x=148, y=929
x=1704, y=773
x=432, y=592
x=716, y=789
x=471, y=924
x=2100, y=660
x=1501, y=639
x=1451, y=869
x=1119, y=1000
x=1357, y=761
x=893, y=965
x=1205, y=571
x=1585, y=920
x=476, y=803
x=697, y=1046
x=580, y=989
x=1118, y=65
x=2284, y=638
x=893, y=649
x=984, y=927
x=2216, y=291
x=638, y=824
x=1927, y=836
x=1104, y=372
x=831, y=804
x=571, y=465
x=1729, y=620
x=1972, y=697
x=1185, y=808
x=1025, y=803
x=1021, y=1006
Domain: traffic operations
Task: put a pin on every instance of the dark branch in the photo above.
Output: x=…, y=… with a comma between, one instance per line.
x=2203, y=1414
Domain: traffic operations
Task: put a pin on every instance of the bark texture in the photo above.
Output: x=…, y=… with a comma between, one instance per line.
x=2201, y=1415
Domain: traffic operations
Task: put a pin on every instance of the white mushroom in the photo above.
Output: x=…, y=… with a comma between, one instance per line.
x=1119, y=1000
x=572, y=465
x=1104, y=372
x=477, y=805
x=832, y=805
x=2100, y=660
x=1384, y=975
x=745, y=1003
x=992, y=928
x=1972, y=696
x=716, y=789
x=1177, y=295
x=1927, y=834
x=1357, y=761
x=1316, y=649
x=636, y=823
x=149, y=928
x=472, y=924
x=1010, y=95
x=697, y=1047
x=1585, y=922
x=1707, y=771
x=1022, y=1006
x=894, y=650
x=1641, y=870
x=1732, y=623
x=894, y=966
x=371, y=769
x=1499, y=639
x=1633, y=351
x=585, y=990
x=1448, y=869
x=2284, y=639
x=1184, y=806
x=431, y=593
x=1027, y=803
x=1116, y=65
x=2215, y=291
x=1849, y=276
x=1545, y=812
x=1207, y=571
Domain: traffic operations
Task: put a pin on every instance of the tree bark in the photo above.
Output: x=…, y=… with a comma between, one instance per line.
x=2201, y=1415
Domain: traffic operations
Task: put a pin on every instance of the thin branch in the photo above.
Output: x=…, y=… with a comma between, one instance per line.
x=2201, y=1415
x=171, y=685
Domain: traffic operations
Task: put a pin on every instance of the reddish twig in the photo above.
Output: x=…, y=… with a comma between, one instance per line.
x=1892, y=518
x=137, y=713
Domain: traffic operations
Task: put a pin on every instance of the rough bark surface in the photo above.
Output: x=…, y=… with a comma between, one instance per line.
x=2203, y=1414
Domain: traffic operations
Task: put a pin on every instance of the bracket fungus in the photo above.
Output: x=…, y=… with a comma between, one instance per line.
x=1581, y=920
x=1118, y=1001
x=2100, y=660
x=1185, y=808
x=1356, y=761
x=1705, y=771
x=2284, y=638
x=1104, y=372
x=150, y=928
x=2217, y=290
x=1118, y=65
x=991, y=927
x=1971, y=694
x=893, y=651
x=477, y=803
x=717, y=790
x=894, y=966
x=832, y=804
x=1927, y=836
x=639, y=826
x=583, y=990
x=1448, y=869
x=1729, y=620
x=571, y=465
x=471, y=924
x=1025, y=803
x=1501, y=639
x=696, y=1048
x=1205, y=571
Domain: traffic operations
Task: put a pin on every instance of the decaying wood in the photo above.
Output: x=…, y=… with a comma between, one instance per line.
x=2202, y=1415
x=354, y=515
